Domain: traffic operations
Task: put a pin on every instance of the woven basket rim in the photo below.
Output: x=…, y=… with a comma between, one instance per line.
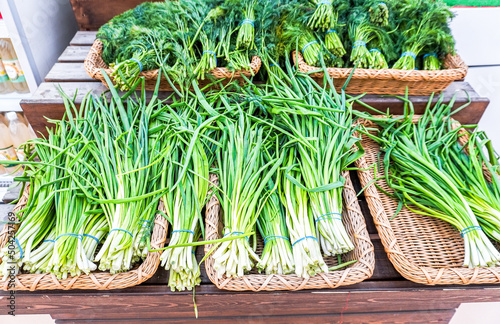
x=95, y=280
x=457, y=69
x=94, y=65
x=355, y=273
x=392, y=243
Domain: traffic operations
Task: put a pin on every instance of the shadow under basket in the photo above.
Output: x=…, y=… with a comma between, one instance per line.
x=95, y=280
x=389, y=81
x=94, y=63
x=356, y=228
x=423, y=249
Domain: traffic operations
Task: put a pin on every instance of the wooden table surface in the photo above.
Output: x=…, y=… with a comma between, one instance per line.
x=385, y=298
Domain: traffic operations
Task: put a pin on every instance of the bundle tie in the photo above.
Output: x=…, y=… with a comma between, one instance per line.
x=307, y=45
x=236, y=233
x=430, y=54
x=138, y=62
x=327, y=216
x=20, y=249
x=248, y=21
x=92, y=237
x=331, y=31
x=122, y=230
x=413, y=55
x=213, y=53
x=274, y=237
x=305, y=237
x=470, y=229
x=375, y=50
x=358, y=43
x=78, y=236
x=324, y=2
x=183, y=230
x=274, y=64
x=53, y=241
x=145, y=222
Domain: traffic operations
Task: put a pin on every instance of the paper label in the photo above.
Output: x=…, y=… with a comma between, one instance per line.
x=8, y=154
x=3, y=75
x=14, y=71
x=20, y=154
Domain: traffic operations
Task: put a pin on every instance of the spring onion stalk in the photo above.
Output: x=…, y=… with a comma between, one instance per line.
x=413, y=171
x=277, y=255
x=300, y=222
x=243, y=177
x=431, y=62
x=183, y=203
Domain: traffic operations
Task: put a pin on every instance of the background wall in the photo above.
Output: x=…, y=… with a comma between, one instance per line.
x=476, y=31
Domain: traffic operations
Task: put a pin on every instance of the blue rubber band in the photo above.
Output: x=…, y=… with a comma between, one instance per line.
x=274, y=237
x=248, y=21
x=236, y=233
x=307, y=45
x=183, y=230
x=331, y=31
x=409, y=54
x=375, y=50
x=430, y=54
x=305, y=237
x=92, y=237
x=383, y=3
x=78, y=236
x=327, y=216
x=145, y=220
x=273, y=64
x=138, y=62
x=358, y=43
x=119, y=229
x=325, y=2
x=20, y=249
x=213, y=53
x=53, y=241
x=470, y=229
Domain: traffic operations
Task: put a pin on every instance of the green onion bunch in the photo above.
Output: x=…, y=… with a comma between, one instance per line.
x=246, y=32
x=378, y=60
x=322, y=16
x=333, y=43
x=379, y=14
x=243, y=177
x=419, y=166
x=431, y=62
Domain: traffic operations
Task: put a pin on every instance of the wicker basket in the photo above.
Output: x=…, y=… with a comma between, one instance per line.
x=94, y=280
x=390, y=81
x=94, y=63
x=355, y=273
x=423, y=249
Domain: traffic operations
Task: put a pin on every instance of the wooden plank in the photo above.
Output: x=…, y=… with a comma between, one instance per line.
x=73, y=54
x=68, y=72
x=159, y=302
x=424, y=317
x=92, y=14
x=462, y=90
x=83, y=38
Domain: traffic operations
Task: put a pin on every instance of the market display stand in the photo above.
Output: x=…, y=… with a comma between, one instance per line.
x=69, y=74
x=384, y=298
